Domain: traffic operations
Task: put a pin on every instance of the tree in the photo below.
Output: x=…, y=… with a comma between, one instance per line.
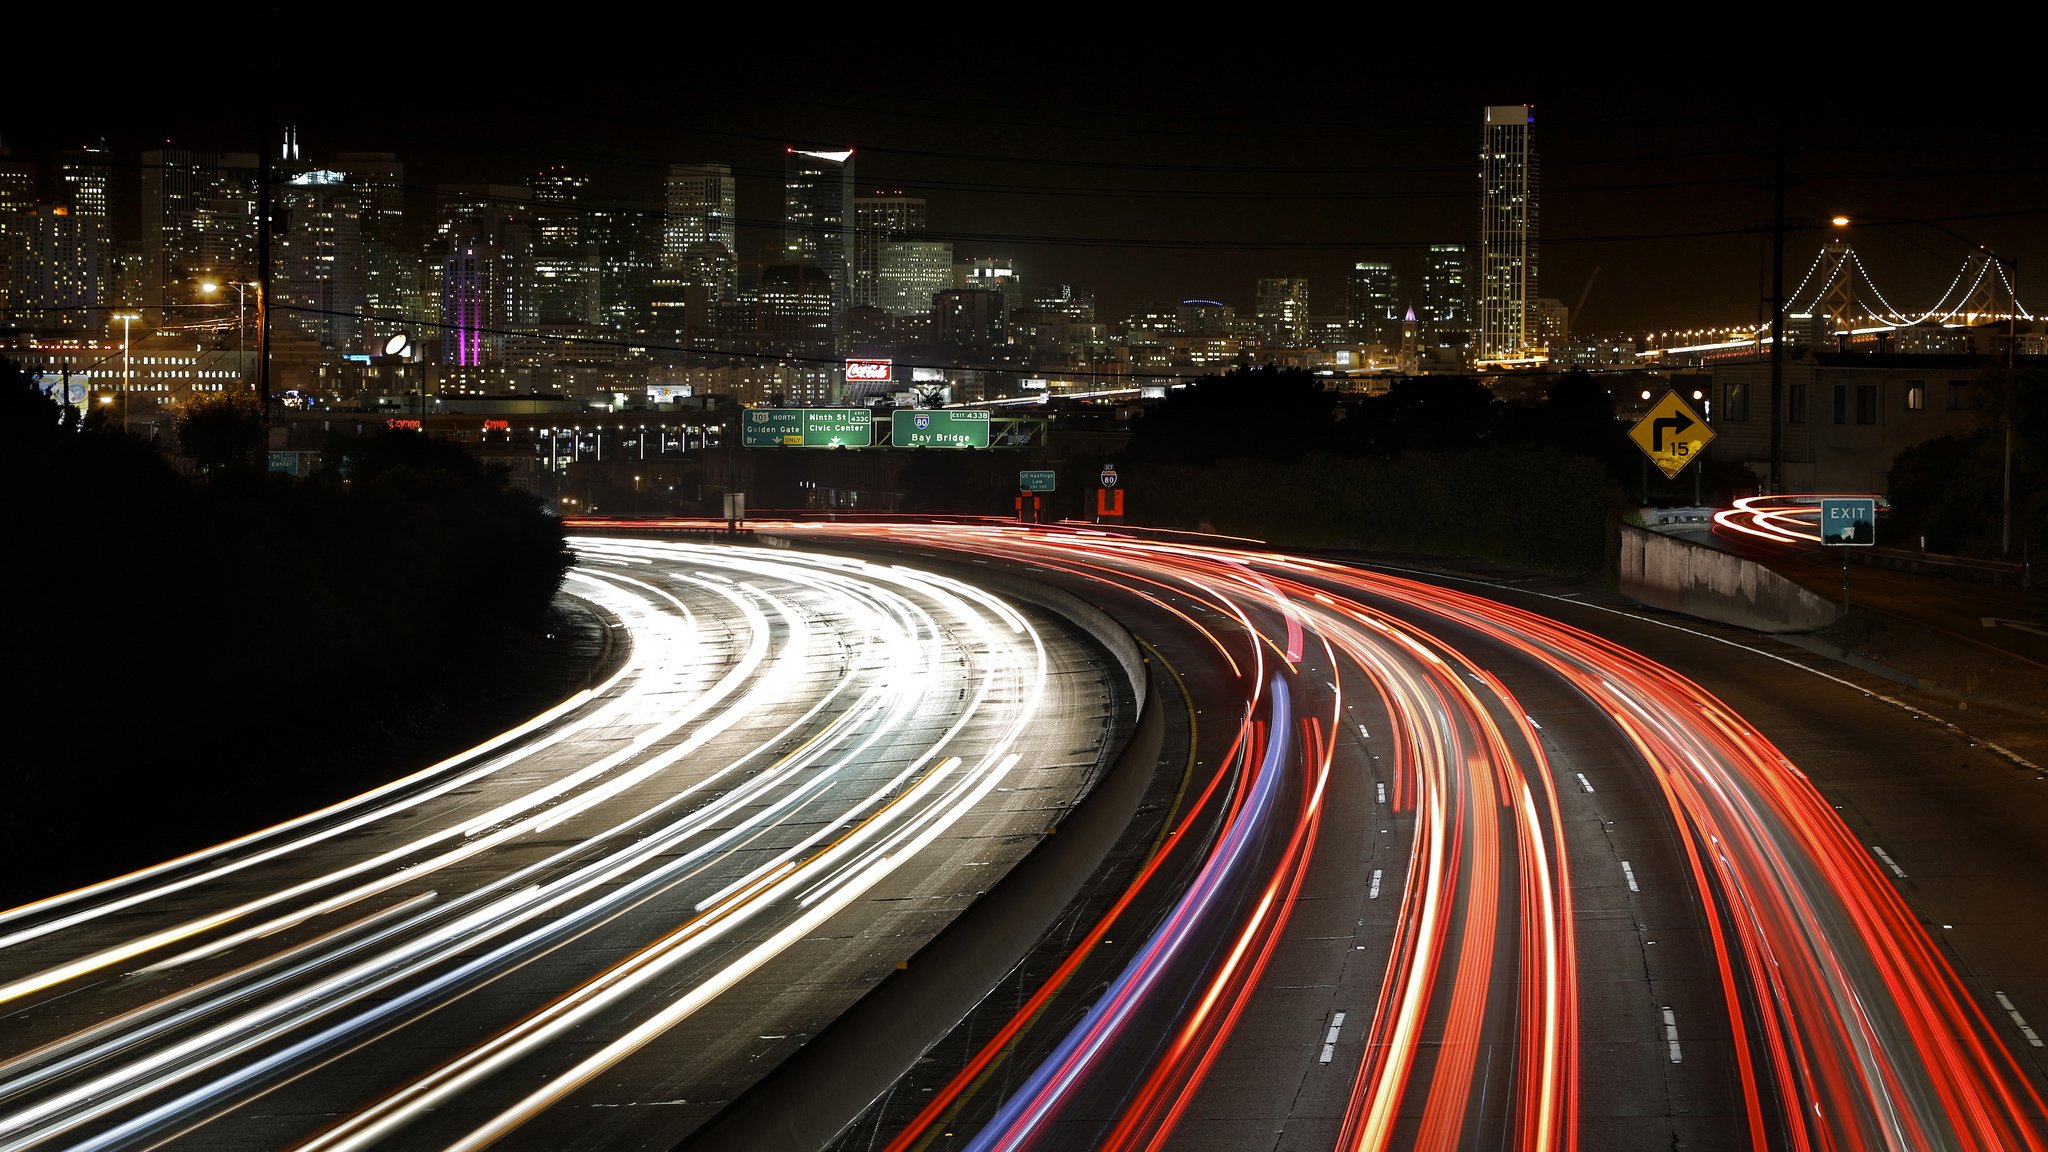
x=1265, y=413
x=221, y=430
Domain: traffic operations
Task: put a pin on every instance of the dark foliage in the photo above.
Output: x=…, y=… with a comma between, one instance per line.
x=213, y=653
x=1258, y=413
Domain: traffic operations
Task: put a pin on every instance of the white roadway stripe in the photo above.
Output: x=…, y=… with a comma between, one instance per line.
x=1583, y=782
x=2025, y=1029
x=1330, y=1038
x=1671, y=1036
x=1631, y=874
x=1889, y=862
x=1383, y=793
x=1375, y=893
x=1532, y=722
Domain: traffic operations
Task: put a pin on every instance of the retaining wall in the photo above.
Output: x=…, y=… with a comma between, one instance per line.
x=1681, y=576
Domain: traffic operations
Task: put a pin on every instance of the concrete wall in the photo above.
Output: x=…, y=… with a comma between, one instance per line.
x=1681, y=576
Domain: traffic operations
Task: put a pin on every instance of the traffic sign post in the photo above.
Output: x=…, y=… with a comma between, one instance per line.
x=1849, y=521
x=1672, y=435
x=1109, y=499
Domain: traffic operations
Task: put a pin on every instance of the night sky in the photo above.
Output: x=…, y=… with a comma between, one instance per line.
x=1152, y=181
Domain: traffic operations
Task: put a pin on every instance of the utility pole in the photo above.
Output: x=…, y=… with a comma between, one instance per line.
x=1777, y=480
x=1778, y=226
x=263, y=275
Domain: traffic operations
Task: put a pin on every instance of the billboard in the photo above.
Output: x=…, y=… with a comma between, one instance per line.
x=869, y=371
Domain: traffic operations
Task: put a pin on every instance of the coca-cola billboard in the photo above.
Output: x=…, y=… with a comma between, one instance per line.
x=869, y=371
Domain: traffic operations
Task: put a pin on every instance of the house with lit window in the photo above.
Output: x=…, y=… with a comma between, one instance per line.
x=1847, y=415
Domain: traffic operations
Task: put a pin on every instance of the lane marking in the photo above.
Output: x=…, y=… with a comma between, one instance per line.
x=1631, y=874
x=1330, y=1039
x=1583, y=782
x=1572, y=597
x=1532, y=722
x=1363, y=734
x=1889, y=862
x=1375, y=893
x=1671, y=1036
x=1383, y=792
x=2019, y=1020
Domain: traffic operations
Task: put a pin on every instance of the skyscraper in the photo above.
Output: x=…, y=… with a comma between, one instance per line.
x=817, y=217
x=1280, y=308
x=1446, y=312
x=1507, y=233
x=564, y=262
x=877, y=220
x=699, y=234
x=1372, y=312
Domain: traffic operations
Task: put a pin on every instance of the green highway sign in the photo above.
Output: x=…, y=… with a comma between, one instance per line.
x=807, y=428
x=1036, y=481
x=939, y=428
x=1848, y=520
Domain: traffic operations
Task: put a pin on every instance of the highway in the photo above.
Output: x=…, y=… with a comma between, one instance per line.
x=594, y=930
x=1410, y=862
x=1442, y=872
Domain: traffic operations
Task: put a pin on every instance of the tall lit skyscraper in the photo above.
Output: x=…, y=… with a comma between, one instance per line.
x=1372, y=303
x=1446, y=312
x=878, y=220
x=817, y=217
x=564, y=262
x=1280, y=308
x=1507, y=232
x=910, y=273
x=84, y=176
x=700, y=230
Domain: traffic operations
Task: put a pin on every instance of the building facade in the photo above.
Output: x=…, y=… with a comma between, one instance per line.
x=1507, y=282
x=817, y=216
x=1372, y=300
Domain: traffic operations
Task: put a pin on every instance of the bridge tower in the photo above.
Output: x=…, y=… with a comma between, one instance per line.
x=1837, y=298
x=1987, y=298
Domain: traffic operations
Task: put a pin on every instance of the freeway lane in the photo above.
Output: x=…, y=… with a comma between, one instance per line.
x=1824, y=1012
x=595, y=930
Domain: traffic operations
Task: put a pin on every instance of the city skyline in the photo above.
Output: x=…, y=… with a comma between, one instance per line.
x=1655, y=202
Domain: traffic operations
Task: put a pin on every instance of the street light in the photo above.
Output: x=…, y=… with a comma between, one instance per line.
x=2010, y=273
x=241, y=287
x=125, y=318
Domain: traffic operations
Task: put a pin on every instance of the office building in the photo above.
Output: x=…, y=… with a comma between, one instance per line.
x=1445, y=314
x=564, y=260
x=996, y=274
x=1372, y=300
x=909, y=273
x=1280, y=310
x=316, y=288
x=1507, y=235
x=700, y=230
x=883, y=218
x=817, y=217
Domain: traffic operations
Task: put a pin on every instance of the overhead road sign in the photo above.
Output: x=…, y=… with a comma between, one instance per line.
x=1037, y=481
x=1848, y=520
x=1672, y=435
x=939, y=428
x=807, y=428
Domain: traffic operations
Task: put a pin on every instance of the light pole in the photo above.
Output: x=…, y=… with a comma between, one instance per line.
x=126, y=318
x=241, y=287
x=2009, y=271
